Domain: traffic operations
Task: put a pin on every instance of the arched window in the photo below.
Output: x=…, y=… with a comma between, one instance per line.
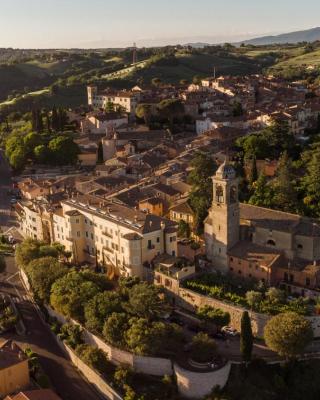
x=219, y=194
x=233, y=194
x=271, y=242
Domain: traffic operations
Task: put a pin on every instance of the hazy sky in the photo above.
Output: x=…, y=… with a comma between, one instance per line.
x=94, y=23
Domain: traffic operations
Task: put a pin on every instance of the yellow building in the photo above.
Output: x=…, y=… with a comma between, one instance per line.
x=14, y=369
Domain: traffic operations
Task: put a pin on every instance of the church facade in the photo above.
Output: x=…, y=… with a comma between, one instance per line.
x=257, y=243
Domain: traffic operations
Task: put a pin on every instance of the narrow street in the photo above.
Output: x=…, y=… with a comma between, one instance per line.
x=65, y=378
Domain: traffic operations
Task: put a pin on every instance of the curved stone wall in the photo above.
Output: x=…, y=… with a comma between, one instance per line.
x=197, y=385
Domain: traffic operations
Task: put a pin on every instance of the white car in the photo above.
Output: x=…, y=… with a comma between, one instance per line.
x=228, y=330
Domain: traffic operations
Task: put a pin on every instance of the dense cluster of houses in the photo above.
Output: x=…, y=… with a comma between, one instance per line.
x=123, y=208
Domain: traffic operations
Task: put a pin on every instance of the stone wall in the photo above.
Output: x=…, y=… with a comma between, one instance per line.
x=92, y=376
x=196, y=386
x=191, y=300
x=145, y=365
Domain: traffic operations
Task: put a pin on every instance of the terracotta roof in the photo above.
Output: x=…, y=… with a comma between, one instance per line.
x=42, y=394
x=254, y=253
x=11, y=354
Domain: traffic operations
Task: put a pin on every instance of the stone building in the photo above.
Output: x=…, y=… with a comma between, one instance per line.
x=253, y=242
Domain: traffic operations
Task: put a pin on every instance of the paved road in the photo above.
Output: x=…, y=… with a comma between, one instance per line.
x=66, y=380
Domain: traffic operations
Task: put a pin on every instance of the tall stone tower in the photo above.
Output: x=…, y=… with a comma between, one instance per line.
x=223, y=223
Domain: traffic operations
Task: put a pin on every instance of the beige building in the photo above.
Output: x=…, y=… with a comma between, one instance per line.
x=120, y=238
x=14, y=369
x=126, y=99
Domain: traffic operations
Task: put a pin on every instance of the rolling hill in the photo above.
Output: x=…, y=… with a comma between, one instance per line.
x=309, y=35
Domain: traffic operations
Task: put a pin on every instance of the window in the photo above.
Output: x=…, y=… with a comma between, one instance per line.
x=271, y=242
x=173, y=253
x=308, y=281
x=158, y=240
x=239, y=272
x=231, y=258
x=91, y=236
x=219, y=194
x=87, y=235
x=77, y=221
x=78, y=234
x=300, y=247
x=233, y=194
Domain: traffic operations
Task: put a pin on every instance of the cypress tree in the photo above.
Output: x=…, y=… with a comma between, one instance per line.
x=253, y=172
x=39, y=122
x=246, y=337
x=54, y=119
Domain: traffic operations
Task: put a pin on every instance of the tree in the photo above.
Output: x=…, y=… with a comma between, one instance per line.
x=70, y=293
x=201, y=194
x=288, y=334
x=214, y=315
x=237, y=109
x=54, y=119
x=72, y=334
x=17, y=159
x=27, y=251
x=275, y=295
x=184, y=230
x=145, y=301
x=114, y=329
x=253, y=172
x=2, y=264
x=144, y=337
x=41, y=154
x=170, y=109
x=255, y=145
x=109, y=107
x=285, y=196
x=246, y=337
x=263, y=195
x=253, y=298
x=99, y=308
x=203, y=348
x=43, y=272
x=63, y=150
x=94, y=358
x=311, y=184
x=143, y=111
x=156, y=82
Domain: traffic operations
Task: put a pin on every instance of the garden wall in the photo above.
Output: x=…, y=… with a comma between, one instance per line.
x=189, y=300
x=196, y=386
x=92, y=376
x=145, y=365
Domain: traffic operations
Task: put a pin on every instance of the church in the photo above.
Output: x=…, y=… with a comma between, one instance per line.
x=278, y=248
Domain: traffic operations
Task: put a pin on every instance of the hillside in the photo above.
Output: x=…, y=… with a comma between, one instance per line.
x=309, y=35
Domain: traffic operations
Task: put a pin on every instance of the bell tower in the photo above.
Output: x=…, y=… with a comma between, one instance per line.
x=223, y=223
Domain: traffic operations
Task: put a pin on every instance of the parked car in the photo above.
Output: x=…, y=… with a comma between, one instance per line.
x=228, y=330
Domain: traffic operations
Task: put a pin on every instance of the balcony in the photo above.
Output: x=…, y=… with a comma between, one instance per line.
x=105, y=233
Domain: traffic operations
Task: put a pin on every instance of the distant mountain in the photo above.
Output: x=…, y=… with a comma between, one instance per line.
x=309, y=35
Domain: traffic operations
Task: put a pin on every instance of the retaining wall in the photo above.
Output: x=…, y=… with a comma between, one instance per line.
x=92, y=376
x=196, y=386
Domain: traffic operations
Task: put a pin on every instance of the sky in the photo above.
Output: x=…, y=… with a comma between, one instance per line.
x=118, y=23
